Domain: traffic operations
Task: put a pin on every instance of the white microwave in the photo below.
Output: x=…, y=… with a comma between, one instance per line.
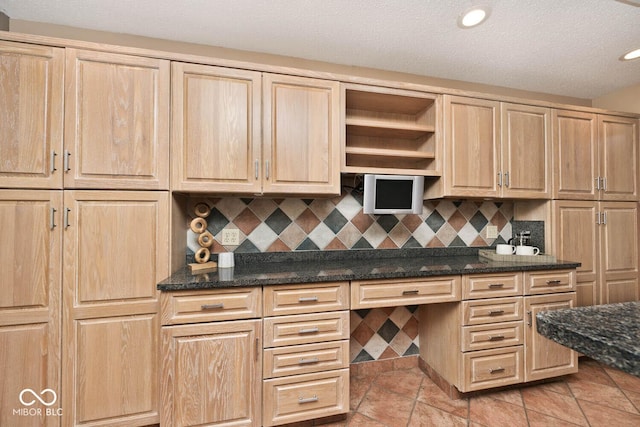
x=393, y=194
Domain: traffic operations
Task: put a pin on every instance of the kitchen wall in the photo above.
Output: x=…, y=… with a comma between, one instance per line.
x=625, y=100
x=268, y=225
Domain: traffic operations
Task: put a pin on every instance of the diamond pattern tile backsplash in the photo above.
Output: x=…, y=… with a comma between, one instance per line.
x=281, y=225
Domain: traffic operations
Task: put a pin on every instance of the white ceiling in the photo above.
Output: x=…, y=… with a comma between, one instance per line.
x=563, y=47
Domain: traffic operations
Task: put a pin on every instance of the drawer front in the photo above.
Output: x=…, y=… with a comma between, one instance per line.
x=490, y=286
x=305, y=397
x=492, y=335
x=479, y=312
x=546, y=282
x=391, y=293
x=306, y=328
x=304, y=359
x=493, y=368
x=210, y=305
x=308, y=298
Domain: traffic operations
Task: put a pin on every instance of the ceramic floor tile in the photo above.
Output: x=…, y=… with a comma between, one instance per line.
x=609, y=396
x=425, y=415
x=510, y=396
x=432, y=395
x=536, y=419
x=604, y=416
x=633, y=397
x=553, y=404
x=405, y=383
x=359, y=420
x=624, y=380
x=589, y=370
x=358, y=387
x=496, y=413
x=386, y=407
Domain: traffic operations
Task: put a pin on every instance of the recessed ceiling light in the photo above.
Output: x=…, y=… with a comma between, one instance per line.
x=473, y=16
x=634, y=54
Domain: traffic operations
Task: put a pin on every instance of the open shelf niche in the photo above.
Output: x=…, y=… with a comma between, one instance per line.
x=390, y=131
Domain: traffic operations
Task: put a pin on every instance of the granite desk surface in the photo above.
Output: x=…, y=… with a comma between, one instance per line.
x=608, y=333
x=327, y=266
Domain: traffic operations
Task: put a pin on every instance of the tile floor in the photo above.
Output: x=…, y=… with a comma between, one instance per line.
x=397, y=393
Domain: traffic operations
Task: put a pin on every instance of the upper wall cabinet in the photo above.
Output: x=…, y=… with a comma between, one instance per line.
x=31, y=115
x=237, y=131
x=595, y=156
x=116, y=121
x=494, y=149
x=390, y=131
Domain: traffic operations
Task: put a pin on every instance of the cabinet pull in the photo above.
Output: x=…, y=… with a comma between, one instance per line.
x=529, y=318
x=304, y=361
x=66, y=217
x=308, y=299
x=67, y=156
x=496, y=285
x=506, y=179
x=496, y=312
x=312, y=399
x=496, y=337
x=266, y=167
x=52, y=218
x=598, y=183
x=604, y=183
x=604, y=218
x=257, y=168
x=554, y=282
x=308, y=331
x=598, y=218
x=53, y=161
x=212, y=306
x=499, y=179
x=411, y=292
x=496, y=370
x=257, y=348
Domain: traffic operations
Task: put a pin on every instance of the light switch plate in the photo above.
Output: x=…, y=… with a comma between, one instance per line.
x=230, y=237
x=492, y=232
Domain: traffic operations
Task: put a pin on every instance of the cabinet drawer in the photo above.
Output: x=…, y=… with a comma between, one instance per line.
x=307, y=298
x=304, y=359
x=490, y=286
x=547, y=282
x=306, y=328
x=478, y=312
x=493, y=368
x=210, y=305
x=391, y=293
x=305, y=397
x=492, y=335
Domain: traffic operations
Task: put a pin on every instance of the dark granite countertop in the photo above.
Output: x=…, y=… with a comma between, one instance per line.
x=327, y=266
x=607, y=333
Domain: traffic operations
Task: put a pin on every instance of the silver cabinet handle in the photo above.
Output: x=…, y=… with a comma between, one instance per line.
x=256, y=166
x=604, y=218
x=598, y=183
x=496, y=337
x=529, y=319
x=309, y=331
x=496, y=285
x=67, y=157
x=496, y=312
x=212, y=306
x=66, y=217
x=411, y=292
x=312, y=399
x=506, y=179
x=554, y=282
x=496, y=370
x=598, y=218
x=304, y=361
x=308, y=299
x=604, y=183
x=53, y=161
x=499, y=179
x=52, y=218
x=266, y=172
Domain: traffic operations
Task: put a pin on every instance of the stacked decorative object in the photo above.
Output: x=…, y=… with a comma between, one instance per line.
x=205, y=240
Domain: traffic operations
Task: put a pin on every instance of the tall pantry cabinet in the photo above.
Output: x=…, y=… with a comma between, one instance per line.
x=595, y=211
x=85, y=223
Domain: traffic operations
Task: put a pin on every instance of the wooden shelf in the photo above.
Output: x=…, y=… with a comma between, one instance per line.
x=383, y=129
x=386, y=152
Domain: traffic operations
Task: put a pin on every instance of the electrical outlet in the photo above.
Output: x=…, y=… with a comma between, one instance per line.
x=230, y=237
x=492, y=232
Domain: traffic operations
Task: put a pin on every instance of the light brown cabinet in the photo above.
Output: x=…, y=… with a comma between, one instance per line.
x=495, y=149
x=603, y=236
x=248, y=132
x=116, y=250
x=211, y=357
x=31, y=114
x=116, y=121
x=595, y=156
x=30, y=262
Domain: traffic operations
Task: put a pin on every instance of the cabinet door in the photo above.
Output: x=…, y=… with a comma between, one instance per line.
x=619, y=252
x=31, y=89
x=526, y=156
x=472, y=150
x=545, y=358
x=116, y=251
x=215, y=372
x=618, y=137
x=575, y=161
x=577, y=239
x=301, y=135
x=116, y=121
x=30, y=262
x=216, y=129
